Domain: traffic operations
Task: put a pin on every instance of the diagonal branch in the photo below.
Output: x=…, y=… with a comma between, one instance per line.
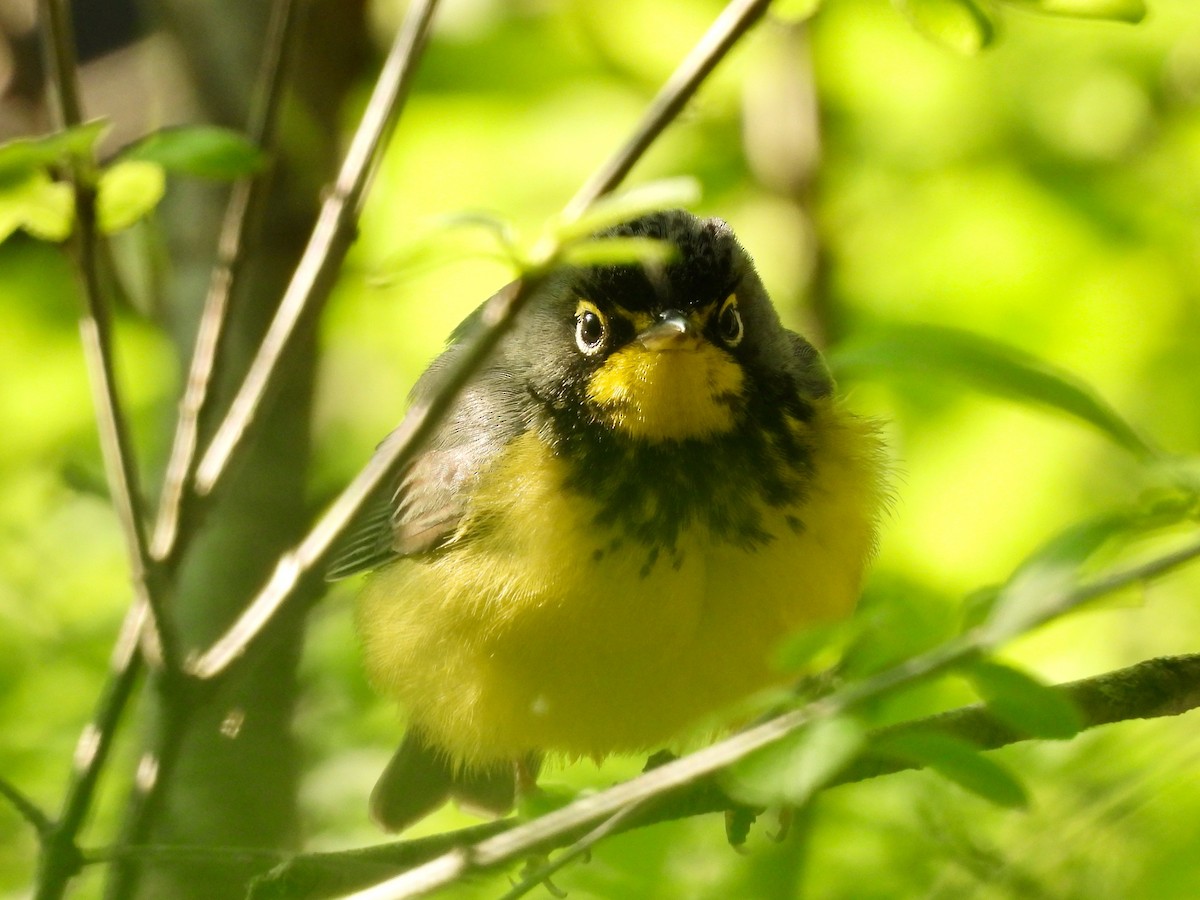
x=712, y=47
x=331, y=238
x=416, y=426
x=1167, y=686
x=28, y=810
x=561, y=825
x=244, y=202
x=60, y=856
x=734, y=21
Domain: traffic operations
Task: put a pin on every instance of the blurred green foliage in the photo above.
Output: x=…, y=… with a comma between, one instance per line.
x=1043, y=194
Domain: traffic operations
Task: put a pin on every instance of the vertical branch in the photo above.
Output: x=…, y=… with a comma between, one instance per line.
x=330, y=240
x=96, y=333
x=244, y=202
x=60, y=856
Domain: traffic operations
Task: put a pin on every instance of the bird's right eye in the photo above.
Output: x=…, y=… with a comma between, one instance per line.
x=590, y=327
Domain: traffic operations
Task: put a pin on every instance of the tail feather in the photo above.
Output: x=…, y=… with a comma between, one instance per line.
x=420, y=778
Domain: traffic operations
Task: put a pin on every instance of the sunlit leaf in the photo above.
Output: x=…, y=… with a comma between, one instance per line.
x=958, y=25
x=202, y=150
x=794, y=10
x=42, y=207
x=957, y=760
x=127, y=192
x=797, y=651
x=619, y=250
x=1036, y=589
x=23, y=155
x=1024, y=702
x=621, y=206
x=954, y=356
x=1116, y=10
x=791, y=770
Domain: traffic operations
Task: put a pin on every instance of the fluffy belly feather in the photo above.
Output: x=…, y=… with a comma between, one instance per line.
x=536, y=630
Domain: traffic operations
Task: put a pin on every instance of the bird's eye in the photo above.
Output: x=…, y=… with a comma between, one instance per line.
x=729, y=322
x=590, y=327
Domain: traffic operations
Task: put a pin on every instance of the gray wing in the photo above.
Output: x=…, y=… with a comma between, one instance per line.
x=422, y=508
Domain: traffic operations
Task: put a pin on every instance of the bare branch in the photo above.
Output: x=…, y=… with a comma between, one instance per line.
x=95, y=331
x=413, y=430
x=244, y=201
x=331, y=238
x=733, y=22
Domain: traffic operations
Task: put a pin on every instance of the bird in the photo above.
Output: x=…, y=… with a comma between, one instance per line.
x=647, y=486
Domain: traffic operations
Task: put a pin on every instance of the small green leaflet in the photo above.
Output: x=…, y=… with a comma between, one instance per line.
x=1042, y=584
x=959, y=356
x=795, y=767
x=42, y=207
x=957, y=760
x=127, y=192
x=619, y=250
x=621, y=206
x=204, y=151
x=958, y=25
x=1024, y=703
x=22, y=156
x=1114, y=10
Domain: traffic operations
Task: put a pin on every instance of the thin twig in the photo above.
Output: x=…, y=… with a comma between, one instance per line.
x=96, y=333
x=331, y=238
x=543, y=873
x=734, y=21
x=396, y=453
x=545, y=831
x=29, y=810
x=245, y=200
x=60, y=856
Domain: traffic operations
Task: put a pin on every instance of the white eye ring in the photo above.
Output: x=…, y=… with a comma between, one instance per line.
x=729, y=322
x=591, y=328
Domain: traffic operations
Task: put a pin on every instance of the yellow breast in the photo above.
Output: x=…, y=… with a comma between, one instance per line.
x=535, y=630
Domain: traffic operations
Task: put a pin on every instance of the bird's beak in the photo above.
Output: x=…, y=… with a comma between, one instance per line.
x=670, y=331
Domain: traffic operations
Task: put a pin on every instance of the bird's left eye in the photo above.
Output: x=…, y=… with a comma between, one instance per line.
x=729, y=322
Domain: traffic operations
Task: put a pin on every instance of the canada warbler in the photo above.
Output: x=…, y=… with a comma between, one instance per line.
x=646, y=487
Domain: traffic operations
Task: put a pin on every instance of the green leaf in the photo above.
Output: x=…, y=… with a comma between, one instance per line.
x=127, y=192
x=619, y=250
x=957, y=760
x=1024, y=702
x=1036, y=590
x=798, y=650
x=19, y=157
x=794, y=11
x=958, y=25
x=1114, y=10
x=42, y=207
x=621, y=206
x=791, y=770
x=201, y=150
x=955, y=356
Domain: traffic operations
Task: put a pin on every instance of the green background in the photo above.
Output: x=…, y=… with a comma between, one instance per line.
x=1044, y=193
